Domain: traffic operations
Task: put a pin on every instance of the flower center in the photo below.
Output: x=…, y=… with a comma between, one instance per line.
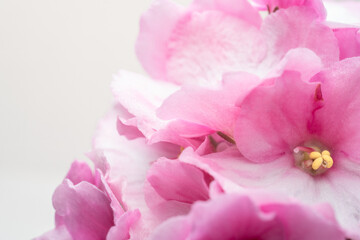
x=313, y=159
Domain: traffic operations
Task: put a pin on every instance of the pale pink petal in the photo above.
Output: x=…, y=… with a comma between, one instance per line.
x=302, y=60
x=140, y=96
x=125, y=164
x=182, y=133
x=230, y=165
x=59, y=233
x=156, y=27
x=200, y=43
x=238, y=8
x=297, y=27
x=204, y=106
x=207, y=44
x=338, y=190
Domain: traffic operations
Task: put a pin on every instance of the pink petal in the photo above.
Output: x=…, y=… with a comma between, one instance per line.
x=80, y=171
x=174, y=180
x=349, y=42
x=228, y=217
x=302, y=222
x=337, y=122
x=275, y=119
x=302, y=60
x=238, y=8
x=271, y=5
x=73, y=203
x=122, y=226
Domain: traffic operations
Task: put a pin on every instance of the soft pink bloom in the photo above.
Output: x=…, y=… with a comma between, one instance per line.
x=87, y=209
x=200, y=43
x=240, y=217
x=237, y=102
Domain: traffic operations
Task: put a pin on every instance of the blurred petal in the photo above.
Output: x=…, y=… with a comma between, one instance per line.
x=174, y=180
x=73, y=203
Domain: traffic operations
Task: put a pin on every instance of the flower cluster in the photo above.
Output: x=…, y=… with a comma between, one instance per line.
x=248, y=127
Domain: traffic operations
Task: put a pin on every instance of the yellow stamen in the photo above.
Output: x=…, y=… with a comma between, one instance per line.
x=317, y=163
x=321, y=159
x=315, y=155
x=328, y=160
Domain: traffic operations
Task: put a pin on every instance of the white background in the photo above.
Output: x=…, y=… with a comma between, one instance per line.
x=57, y=58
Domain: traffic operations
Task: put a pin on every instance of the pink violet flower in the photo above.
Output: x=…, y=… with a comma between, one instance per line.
x=280, y=124
x=234, y=91
x=238, y=216
x=87, y=209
